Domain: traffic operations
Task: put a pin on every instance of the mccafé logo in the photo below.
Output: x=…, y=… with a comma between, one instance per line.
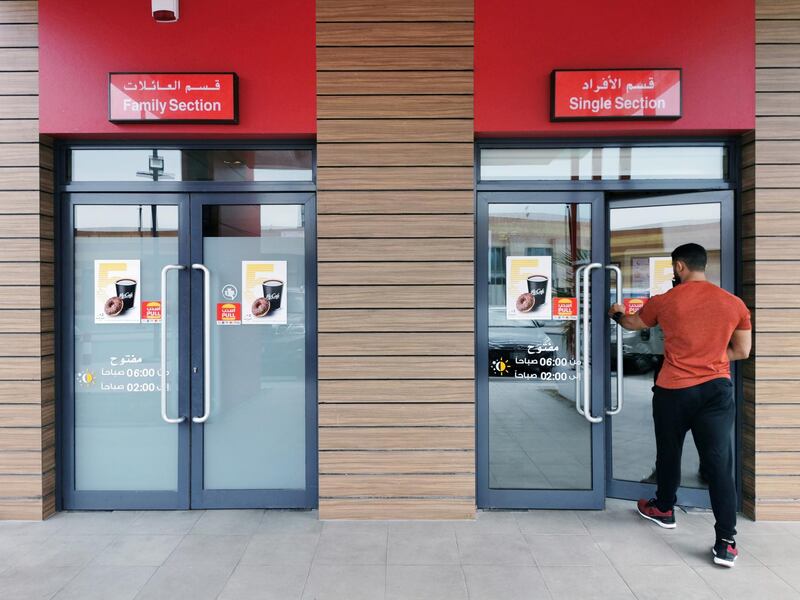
x=125, y=295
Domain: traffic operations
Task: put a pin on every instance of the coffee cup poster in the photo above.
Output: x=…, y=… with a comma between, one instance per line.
x=116, y=291
x=528, y=287
x=264, y=292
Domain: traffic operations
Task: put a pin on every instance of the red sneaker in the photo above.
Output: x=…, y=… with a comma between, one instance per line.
x=649, y=510
x=725, y=553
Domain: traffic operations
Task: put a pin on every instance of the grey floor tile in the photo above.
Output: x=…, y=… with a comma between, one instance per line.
x=180, y=582
x=419, y=548
x=485, y=582
x=638, y=549
x=290, y=521
x=32, y=529
x=666, y=583
x=97, y=522
x=565, y=550
x=346, y=582
x=12, y=547
x=139, y=550
x=790, y=575
x=281, y=549
x=489, y=521
x=423, y=527
x=98, y=582
x=746, y=583
x=209, y=550
x=65, y=551
x=356, y=548
x=771, y=550
x=549, y=521
x=494, y=549
x=353, y=526
x=440, y=582
x=615, y=522
x=34, y=583
x=228, y=522
x=566, y=583
x=169, y=522
x=260, y=582
x=696, y=551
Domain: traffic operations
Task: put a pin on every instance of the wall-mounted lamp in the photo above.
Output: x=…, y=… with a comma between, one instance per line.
x=165, y=11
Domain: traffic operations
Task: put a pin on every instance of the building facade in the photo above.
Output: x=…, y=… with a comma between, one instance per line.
x=356, y=255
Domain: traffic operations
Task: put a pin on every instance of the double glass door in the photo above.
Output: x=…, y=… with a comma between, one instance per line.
x=189, y=323
x=564, y=394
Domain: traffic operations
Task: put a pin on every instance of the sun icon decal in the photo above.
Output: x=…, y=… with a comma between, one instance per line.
x=500, y=366
x=85, y=378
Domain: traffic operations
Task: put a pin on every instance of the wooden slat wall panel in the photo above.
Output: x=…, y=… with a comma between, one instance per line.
x=396, y=232
x=27, y=344
x=771, y=245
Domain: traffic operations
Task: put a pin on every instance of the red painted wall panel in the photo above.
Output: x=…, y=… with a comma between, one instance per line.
x=269, y=43
x=519, y=42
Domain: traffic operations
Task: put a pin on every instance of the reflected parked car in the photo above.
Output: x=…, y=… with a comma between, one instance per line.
x=518, y=346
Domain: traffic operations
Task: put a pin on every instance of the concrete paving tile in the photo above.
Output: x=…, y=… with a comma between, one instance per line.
x=209, y=550
x=260, y=582
x=439, y=582
x=97, y=522
x=489, y=521
x=141, y=550
x=290, y=521
x=666, y=583
x=790, y=575
x=485, y=582
x=34, y=583
x=696, y=551
x=535, y=522
x=228, y=522
x=182, y=582
x=746, y=583
x=577, y=550
x=567, y=583
x=99, y=582
x=352, y=548
x=168, y=522
x=493, y=549
x=281, y=549
x=65, y=551
x=771, y=550
x=346, y=582
x=638, y=550
x=417, y=548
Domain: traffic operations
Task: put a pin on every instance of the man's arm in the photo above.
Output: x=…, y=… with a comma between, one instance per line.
x=740, y=344
x=630, y=322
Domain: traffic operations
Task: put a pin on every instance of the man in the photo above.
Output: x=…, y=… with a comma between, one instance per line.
x=704, y=329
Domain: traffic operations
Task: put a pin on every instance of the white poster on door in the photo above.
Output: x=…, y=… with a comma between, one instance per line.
x=528, y=287
x=661, y=275
x=264, y=292
x=116, y=291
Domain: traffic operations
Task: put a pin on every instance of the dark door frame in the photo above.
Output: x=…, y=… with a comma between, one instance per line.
x=166, y=192
x=613, y=189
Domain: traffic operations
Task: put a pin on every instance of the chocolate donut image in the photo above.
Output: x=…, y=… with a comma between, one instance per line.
x=260, y=307
x=525, y=302
x=113, y=306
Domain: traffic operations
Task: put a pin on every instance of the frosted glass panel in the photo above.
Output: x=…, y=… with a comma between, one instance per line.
x=255, y=435
x=121, y=442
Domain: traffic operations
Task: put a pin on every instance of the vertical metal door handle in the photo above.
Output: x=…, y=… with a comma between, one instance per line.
x=620, y=382
x=206, y=343
x=587, y=340
x=578, y=272
x=164, y=272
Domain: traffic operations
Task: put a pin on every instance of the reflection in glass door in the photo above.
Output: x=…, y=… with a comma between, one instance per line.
x=642, y=234
x=540, y=441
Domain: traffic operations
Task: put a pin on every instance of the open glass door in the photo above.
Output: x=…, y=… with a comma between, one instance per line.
x=540, y=405
x=642, y=234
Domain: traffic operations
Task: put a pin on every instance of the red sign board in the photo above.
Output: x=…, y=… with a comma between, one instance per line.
x=616, y=94
x=634, y=305
x=173, y=97
x=229, y=313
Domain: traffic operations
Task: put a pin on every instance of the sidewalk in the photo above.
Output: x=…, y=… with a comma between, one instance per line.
x=281, y=555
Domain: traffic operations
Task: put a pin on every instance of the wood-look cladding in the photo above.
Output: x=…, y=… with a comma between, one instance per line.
x=771, y=255
x=396, y=248
x=27, y=341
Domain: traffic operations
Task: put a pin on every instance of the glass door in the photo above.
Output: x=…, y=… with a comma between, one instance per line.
x=642, y=234
x=540, y=350
x=253, y=359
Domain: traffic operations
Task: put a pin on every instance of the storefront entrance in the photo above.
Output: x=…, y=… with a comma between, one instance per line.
x=189, y=350
x=564, y=417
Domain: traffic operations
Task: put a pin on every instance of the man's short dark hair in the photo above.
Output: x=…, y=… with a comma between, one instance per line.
x=692, y=255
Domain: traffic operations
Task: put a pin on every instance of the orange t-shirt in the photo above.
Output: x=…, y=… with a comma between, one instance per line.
x=698, y=319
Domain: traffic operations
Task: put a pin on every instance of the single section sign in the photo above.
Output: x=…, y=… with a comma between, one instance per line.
x=638, y=94
x=173, y=97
